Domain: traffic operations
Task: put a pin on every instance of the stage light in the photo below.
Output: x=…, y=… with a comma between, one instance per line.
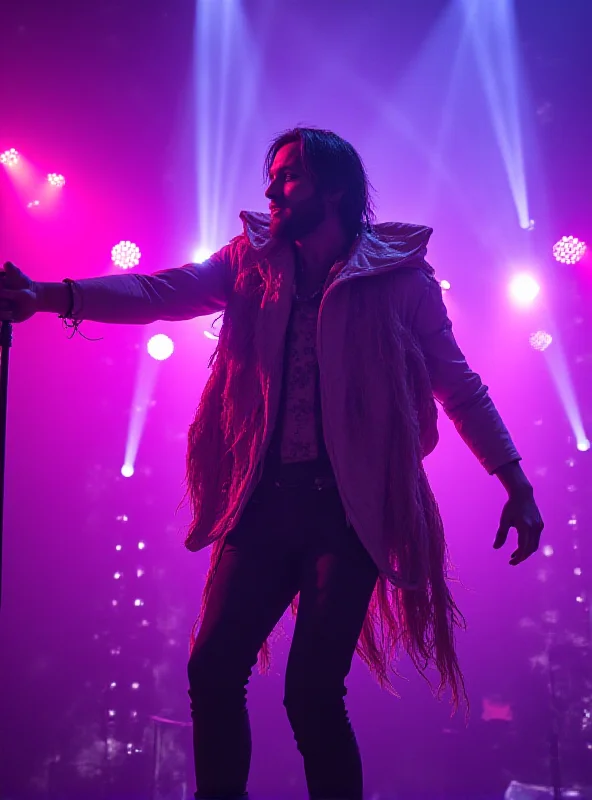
x=202, y=254
x=548, y=550
x=445, y=285
x=33, y=204
x=540, y=340
x=524, y=289
x=160, y=347
x=583, y=445
x=10, y=157
x=57, y=180
x=141, y=545
x=569, y=250
x=126, y=255
x=127, y=470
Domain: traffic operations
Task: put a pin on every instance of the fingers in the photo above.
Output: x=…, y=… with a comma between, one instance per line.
x=529, y=537
x=501, y=535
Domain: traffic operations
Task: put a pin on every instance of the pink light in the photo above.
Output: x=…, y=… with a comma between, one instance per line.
x=10, y=157
x=540, y=340
x=33, y=204
x=569, y=250
x=160, y=347
x=57, y=180
x=126, y=255
x=445, y=285
x=524, y=289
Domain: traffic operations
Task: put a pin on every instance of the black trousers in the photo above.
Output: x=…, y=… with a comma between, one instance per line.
x=290, y=540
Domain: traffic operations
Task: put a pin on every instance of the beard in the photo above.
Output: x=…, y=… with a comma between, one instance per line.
x=292, y=223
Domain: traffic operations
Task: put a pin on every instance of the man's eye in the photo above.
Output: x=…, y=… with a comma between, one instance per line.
x=289, y=176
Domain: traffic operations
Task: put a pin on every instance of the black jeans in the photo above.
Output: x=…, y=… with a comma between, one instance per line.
x=289, y=541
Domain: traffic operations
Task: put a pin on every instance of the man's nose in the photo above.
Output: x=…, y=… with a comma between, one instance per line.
x=272, y=190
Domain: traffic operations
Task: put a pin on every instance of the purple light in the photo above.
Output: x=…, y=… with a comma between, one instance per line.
x=33, y=204
x=160, y=347
x=540, y=340
x=524, y=289
x=126, y=255
x=57, y=180
x=569, y=250
x=445, y=285
x=127, y=470
x=10, y=157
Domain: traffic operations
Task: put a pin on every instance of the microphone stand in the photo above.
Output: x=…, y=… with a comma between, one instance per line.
x=5, y=345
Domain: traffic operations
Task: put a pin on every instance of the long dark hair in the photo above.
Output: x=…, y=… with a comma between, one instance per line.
x=334, y=165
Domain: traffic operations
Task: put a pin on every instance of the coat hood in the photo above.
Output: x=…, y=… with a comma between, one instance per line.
x=386, y=246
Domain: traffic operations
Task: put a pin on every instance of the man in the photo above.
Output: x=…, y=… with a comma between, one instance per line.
x=304, y=463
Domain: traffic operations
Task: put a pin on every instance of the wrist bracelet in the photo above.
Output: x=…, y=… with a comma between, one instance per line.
x=70, y=284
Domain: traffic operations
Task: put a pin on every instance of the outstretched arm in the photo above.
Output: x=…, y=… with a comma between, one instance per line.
x=466, y=401
x=172, y=294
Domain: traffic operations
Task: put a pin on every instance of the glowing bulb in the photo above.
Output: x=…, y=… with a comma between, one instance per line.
x=548, y=550
x=141, y=545
x=160, y=347
x=202, y=254
x=540, y=340
x=10, y=157
x=126, y=255
x=445, y=285
x=524, y=289
x=583, y=445
x=57, y=180
x=127, y=470
x=569, y=250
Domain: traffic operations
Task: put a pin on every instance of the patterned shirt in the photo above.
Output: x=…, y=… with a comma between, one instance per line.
x=299, y=435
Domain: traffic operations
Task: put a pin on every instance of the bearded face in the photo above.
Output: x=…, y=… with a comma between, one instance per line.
x=296, y=206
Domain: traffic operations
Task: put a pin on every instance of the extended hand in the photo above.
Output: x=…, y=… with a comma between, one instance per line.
x=520, y=512
x=18, y=298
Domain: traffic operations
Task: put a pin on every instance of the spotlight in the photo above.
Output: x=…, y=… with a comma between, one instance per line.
x=445, y=285
x=126, y=255
x=583, y=445
x=524, y=289
x=160, y=347
x=57, y=180
x=202, y=254
x=33, y=204
x=540, y=340
x=10, y=157
x=127, y=470
x=569, y=250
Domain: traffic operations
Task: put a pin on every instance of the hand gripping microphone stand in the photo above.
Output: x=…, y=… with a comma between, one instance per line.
x=5, y=344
